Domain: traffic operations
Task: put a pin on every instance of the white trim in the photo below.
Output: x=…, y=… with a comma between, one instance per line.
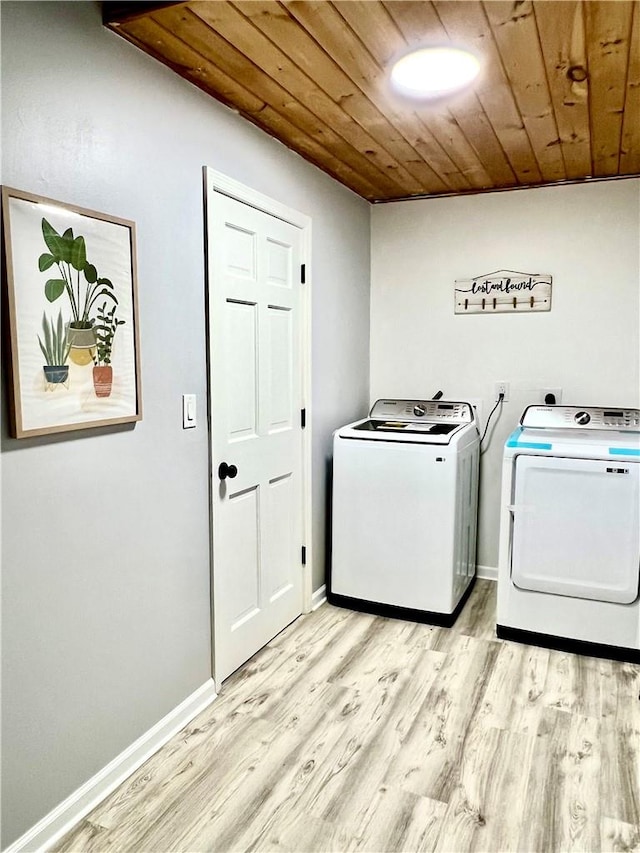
x=215, y=181
x=77, y=805
x=234, y=189
x=487, y=573
x=319, y=597
x=307, y=450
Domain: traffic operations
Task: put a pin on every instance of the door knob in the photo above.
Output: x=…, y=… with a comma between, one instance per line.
x=225, y=471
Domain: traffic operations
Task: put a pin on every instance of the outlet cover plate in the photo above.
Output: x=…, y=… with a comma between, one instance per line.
x=501, y=388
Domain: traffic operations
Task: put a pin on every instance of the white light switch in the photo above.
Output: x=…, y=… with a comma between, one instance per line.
x=189, y=411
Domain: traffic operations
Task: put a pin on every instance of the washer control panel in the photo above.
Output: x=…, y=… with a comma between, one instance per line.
x=423, y=410
x=581, y=417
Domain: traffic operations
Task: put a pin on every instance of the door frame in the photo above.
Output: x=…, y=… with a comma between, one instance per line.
x=217, y=183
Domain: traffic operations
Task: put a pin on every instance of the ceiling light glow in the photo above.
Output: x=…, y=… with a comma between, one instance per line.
x=431, y=72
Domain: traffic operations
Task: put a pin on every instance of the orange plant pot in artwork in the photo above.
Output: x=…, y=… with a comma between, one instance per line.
x=102, y=380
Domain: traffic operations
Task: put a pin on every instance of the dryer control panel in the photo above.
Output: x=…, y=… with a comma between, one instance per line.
x=415, y=411
x=581, y=417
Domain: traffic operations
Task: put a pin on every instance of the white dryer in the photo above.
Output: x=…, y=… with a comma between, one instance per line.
x=569, y=562
x=404, y=510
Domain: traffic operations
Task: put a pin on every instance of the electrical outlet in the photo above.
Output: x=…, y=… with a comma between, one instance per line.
x=557, y=393
x=501, y=388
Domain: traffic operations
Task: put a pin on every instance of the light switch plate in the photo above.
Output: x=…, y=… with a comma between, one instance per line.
x=189, y=420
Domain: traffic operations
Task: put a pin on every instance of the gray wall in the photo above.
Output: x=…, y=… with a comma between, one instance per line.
x=105, y=566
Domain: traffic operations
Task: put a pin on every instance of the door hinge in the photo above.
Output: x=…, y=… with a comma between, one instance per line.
x=304, y=555
x=303, y=418
x=303, y=273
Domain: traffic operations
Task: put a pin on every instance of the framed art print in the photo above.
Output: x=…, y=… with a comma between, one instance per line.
x=73, y=316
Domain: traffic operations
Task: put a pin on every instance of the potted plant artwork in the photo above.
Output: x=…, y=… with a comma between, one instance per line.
x=106, y=328
x=55, y=349
x=80, y=281
x=55, y=257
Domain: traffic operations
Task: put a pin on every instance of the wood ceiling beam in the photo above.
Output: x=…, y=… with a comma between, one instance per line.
x=630, y=145
x=608, y=36
x=116, y=12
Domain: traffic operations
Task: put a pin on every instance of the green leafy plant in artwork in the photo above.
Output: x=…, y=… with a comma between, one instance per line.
x=55, y=346
x=106, y=328
x=77, y=277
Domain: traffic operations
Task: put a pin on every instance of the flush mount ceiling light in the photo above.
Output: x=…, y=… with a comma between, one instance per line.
x=432, y=72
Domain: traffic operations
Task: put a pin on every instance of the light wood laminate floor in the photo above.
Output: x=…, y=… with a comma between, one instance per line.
x=354, y=732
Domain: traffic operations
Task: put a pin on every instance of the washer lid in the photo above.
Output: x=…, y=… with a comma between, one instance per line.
x=404, y=427
x=390, y=432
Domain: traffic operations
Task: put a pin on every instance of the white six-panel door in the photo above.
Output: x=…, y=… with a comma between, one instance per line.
x=256, y=396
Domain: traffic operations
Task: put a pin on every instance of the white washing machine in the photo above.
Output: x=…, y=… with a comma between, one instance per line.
x=404, y=511
x=569, y=562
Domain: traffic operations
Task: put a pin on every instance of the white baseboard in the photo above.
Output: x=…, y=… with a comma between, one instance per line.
x=61, y=819
x=487, y=573
x=319, y=597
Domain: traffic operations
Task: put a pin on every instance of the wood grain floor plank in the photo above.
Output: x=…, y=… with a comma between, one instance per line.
x=619, y=837
x=618, y=682
x=373, y=742
x=428, y=764
x=295, y=655
x=581, y=768
x=620, y=736
x=563, y=787
x=423, y=636
x=493, y=771
x=333, y=760
x=514, y=696
x=574, y=683
x=545, y=778
x=312, y=781
x=146, y=793
x=350, y=732
x=155, y=815
x=299, y=832
x=398, y=820
x=478, y=617
x=320, y=625
x=271, y=799
x=214, y=808
x=305, y=668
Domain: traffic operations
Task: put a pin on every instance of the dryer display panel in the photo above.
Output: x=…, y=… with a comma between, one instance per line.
x=575, y=528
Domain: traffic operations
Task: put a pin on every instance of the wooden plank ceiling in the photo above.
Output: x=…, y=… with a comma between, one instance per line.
x=558, y=98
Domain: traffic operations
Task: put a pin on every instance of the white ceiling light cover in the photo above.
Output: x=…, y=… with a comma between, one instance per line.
x=432, y=72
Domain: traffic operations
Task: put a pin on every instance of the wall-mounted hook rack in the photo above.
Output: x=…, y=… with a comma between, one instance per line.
x=501, y=292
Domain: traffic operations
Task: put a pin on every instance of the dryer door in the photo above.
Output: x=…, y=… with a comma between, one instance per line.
x=576, y=528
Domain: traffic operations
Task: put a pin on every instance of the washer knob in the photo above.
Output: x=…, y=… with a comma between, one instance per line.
x=419, y=410
x=582, y=418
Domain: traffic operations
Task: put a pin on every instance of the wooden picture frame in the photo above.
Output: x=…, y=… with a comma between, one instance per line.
x=72, y=311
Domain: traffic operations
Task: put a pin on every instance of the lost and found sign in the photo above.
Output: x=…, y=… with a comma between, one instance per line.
x=501, y=292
